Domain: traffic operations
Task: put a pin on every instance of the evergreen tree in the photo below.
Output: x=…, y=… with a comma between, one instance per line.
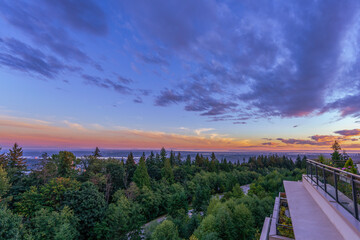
x=4, y=182
x=172, y=158
x=198, y=160
x=15, y=158
x=97, y=152
x=178, y=159
x=130, y=160
x=130, y=167
x=65, y=162
x=3, y=160
x=213, y=158
x=151, y=156
x=163, y=155
x=298, y=161
x=141, y=176
x=188, y=160
x=167, y=171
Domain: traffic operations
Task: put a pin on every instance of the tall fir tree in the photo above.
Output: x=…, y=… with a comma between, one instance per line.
x=65, y=162
x=167, y=171
x=130, y=167
x=97, y=152
x=141, y=176
x=188, y=160
x=163, y=154
x=178, y=159
x=172, y=158
x=16, y=159
x=3, y=160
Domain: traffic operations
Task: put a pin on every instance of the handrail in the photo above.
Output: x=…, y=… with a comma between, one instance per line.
x=321, y=181
x=334, y=168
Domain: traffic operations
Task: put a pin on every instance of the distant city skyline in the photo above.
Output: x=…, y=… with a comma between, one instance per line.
x=188, y=75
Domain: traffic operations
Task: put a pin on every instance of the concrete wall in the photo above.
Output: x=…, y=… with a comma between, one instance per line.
x=345, y=223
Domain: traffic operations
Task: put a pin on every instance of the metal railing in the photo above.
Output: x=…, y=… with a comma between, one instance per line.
x=342, y=186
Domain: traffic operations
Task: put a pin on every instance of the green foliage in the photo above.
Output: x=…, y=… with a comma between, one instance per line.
x=165, y=231
x=65, y=163
x=244, y=222
x=159, y=186
x=149, y=203
x=15, y=158
x=54, y=225
x=141, y=176
x=88, y=205
x=236, y=192
x=167, y=171
x=201, y=198
x=97, y=152
x=284, y=220
x=130, y=167
x=4, y=182
x=120, y=218
x=11, y=227
x=349, y=166
x=50, y=196
x=163, y=155
x=336, y=156
x=16, y=163
x=177, y=201
x=3, y=159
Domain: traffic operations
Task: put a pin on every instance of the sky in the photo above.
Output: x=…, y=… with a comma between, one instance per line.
x=211, y=75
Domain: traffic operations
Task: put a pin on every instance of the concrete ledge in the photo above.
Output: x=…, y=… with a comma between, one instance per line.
x=344, y=222
x=265, y=229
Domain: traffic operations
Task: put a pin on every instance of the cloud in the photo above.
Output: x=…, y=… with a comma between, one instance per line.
x=152, y=59
x=84, y=15
x=267, y=59
x=106, y=83
x=20, y=56
x=239, y=122
x=66, y=134
x=76, y=126
x=267, y=143
x=300, y=141
x=201, y=130
x=41, y=23
x=138, y=100
x=348, y=133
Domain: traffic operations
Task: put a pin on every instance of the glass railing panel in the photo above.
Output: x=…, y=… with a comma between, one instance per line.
x=330, y=183
x=345, y=195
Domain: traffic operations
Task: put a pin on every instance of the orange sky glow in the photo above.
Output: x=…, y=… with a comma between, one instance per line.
x=34, y=133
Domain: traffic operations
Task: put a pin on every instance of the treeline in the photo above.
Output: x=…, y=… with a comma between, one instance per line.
x=95, y=198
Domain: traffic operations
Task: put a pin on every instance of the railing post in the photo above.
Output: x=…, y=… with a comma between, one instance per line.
x=311, y=175
x=356, y=213
x=324, y=179
x=336, y=188
x=317, y=177
x=307, y=169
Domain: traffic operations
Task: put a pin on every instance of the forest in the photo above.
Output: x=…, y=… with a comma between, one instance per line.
x=162, y=196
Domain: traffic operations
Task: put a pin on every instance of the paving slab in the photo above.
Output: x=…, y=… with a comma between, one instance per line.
x=309, y=221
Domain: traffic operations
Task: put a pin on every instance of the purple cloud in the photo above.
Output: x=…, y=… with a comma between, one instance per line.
x=284, y=58
x=20, y=56
x=106, y=83
x=353, y=132
x=84, y=15
x=301, y=141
